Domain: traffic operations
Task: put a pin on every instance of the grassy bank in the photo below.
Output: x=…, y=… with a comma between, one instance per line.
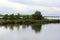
x=35, y=18
x=28, y=21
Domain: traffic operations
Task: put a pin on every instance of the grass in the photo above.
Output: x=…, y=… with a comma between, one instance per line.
x=28, y=21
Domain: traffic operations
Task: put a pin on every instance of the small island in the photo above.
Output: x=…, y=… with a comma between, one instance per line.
x=35, y=18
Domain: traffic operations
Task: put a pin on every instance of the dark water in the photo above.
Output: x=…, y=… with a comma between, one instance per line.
x=30, y=32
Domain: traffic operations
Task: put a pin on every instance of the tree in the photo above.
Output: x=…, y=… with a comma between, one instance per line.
x=5, y=16
x=17, y=16
x=12, y=17
x=37, y=15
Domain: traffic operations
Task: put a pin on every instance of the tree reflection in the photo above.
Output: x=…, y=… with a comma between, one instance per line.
x=14, y=25
x=6, y=26
x=11, y=26
x=23, y=26
x=36, y=27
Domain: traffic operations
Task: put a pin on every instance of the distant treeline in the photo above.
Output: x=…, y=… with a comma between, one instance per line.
x=35, y=18
x=37, y=15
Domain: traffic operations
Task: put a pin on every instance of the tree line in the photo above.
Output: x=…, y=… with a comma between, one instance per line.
x=37, y=15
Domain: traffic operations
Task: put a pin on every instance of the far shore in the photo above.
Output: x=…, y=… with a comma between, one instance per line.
x=28, y=21
x=35, y=18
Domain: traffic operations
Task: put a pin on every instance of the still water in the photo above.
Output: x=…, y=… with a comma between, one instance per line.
x=30, y=32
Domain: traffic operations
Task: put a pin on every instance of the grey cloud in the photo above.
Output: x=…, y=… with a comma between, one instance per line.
x=7, y=10
x=55, y=3
x=52, y=3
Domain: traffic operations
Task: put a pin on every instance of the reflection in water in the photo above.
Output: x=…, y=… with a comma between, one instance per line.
x=11, y=26
x=35, y=27
x=30, y=32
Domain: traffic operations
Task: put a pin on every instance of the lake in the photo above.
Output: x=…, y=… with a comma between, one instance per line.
x=30, y=32
x=50, y=17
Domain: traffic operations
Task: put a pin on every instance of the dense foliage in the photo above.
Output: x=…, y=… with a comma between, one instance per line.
x=37, y=15
x=35, y=18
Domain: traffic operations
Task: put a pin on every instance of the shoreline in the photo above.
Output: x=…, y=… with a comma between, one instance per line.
x=28, y=21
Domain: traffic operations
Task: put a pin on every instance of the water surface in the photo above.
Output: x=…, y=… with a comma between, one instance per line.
x=30, y=32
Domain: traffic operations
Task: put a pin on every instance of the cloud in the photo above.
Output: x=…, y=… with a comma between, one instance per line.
x=51, y=11
x=7, y=5
x=52, y=3
x=29, y=7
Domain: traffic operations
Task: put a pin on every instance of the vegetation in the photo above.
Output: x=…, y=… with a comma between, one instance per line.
x=17, y=16
x=35, y=18
x=5, y=16
x=37, y=15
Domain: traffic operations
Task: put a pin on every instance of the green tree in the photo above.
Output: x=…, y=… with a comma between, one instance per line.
x=24, y=17
x=37, y=15
x=12, y=16
x=17, y=16
x=5, y=16
x=27, y=17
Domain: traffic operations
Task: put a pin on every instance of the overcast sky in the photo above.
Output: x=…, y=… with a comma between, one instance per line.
x=47, y=7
